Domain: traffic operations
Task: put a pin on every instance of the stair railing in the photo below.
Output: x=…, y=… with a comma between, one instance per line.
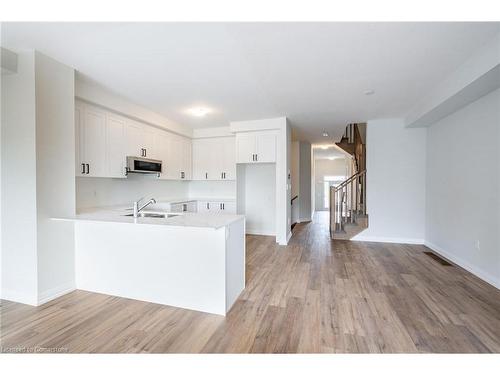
x=347, y=202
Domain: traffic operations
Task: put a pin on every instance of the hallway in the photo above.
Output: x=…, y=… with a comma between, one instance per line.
x=312, y=296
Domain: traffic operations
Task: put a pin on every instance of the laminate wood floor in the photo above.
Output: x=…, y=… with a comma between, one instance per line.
x=313, y=295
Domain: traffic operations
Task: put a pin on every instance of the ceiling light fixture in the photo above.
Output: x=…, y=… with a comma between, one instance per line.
x=199, y=111
x=325, y=134
x=369, y=92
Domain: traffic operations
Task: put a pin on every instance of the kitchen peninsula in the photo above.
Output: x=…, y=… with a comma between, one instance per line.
x=190, y=260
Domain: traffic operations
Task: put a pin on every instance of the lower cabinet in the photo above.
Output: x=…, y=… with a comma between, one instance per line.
x=217, y=207
x=190, y=206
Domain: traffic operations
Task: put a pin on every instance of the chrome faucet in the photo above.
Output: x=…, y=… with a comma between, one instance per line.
x=138, y=209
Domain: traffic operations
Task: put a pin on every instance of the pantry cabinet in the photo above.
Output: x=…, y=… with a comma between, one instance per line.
x=256, y=147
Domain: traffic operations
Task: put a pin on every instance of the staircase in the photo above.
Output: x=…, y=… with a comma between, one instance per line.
x=348, y=200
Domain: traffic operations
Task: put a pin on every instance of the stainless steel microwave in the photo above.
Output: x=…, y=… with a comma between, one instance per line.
x=142, y=165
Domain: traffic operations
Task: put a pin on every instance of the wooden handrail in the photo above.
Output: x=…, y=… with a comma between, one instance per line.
x=343, y=184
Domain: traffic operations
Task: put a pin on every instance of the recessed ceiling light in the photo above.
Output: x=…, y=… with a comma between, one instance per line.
x=369, y=92
x=199, y=111
x=325, y=134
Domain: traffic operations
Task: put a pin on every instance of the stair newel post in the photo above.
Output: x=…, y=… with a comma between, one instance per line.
x=364, y=193
x=354, y=199
x=333, y=211
x=351, y=193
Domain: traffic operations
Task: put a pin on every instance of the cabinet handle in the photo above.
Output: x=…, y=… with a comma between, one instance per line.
x=208, y=206
x=88, y=168
x=206, y=175
x=145, y=152
x=220, y=205
x=83, y=168
x=253, y=157
x=223, y=206
x=256, y=157
x=224, y=173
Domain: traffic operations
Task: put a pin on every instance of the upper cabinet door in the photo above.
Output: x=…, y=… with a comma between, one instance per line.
x=134, y=139
x=162, y=143
x=115, y=146
x=186, y=160
x=228, y=147
x=245, y=148
x=80, y=168
x=199, y=160
x=94, y=142
x=265, y=147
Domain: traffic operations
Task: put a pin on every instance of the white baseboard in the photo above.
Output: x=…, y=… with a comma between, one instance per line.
x=13, y=296
x=54, y=293
x=410, y=241
x=259, y=232
x=485, y=276
x=304, y=220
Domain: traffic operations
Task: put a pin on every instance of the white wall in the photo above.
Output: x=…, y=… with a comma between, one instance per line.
x=305, y=198
x=395, y=182
x=322, y=168
x=257, y=197
x=212, y=189
x=99, y=192
x=55, y=171
x=19, y=237
x=463, y=187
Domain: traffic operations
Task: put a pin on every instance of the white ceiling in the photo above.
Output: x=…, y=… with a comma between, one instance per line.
x=313, y=73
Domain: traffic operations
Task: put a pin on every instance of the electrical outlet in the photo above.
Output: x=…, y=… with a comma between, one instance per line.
x=478, y=245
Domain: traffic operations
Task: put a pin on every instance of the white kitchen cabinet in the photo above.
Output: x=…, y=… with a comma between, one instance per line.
x=104, y=139
x=115, y=146
x=214, y=159
x=91, y=125
x=162, y=147
x=80, y=168
x=140, y=140
x=256, y=147
x=225, y=207
x=178, y=158
x=228, y=158
x=186, y=159
x=190, y=206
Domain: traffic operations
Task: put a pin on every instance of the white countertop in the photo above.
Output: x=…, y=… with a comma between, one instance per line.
x=192, y=199
x=185, y=219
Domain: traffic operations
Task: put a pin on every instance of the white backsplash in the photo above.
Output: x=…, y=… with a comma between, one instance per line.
x=99, y=192
x=212, y=189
